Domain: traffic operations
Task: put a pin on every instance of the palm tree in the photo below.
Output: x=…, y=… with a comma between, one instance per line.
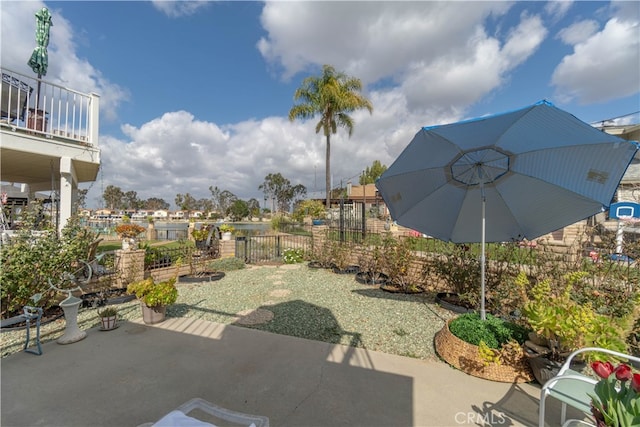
x=332, y=95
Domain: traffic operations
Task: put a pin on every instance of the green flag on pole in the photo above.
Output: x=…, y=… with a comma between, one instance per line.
x=39, y=60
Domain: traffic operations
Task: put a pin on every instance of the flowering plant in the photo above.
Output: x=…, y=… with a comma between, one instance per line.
x=293, y=256
x=201, y=234
x=227, y=228
x=129, y=231
x=617, y=400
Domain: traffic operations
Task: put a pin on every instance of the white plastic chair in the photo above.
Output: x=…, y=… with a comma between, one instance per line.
x=573, y=388
x=179, y=417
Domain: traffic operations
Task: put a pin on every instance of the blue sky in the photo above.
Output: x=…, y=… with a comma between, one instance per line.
x=196, y=94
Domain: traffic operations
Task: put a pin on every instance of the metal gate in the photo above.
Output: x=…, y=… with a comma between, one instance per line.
x=349, y=222
x=256, y=249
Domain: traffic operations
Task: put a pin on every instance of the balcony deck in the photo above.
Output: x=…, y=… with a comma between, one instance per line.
x=40, y=124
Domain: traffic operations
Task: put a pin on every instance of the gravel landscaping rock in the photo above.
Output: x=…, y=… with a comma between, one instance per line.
x=307, y=303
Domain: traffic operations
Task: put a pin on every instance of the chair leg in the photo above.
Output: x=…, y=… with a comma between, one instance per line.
x=37, y=317
x=543, y=397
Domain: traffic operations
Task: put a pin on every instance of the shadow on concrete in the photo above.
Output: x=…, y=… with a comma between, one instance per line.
x=138, y=373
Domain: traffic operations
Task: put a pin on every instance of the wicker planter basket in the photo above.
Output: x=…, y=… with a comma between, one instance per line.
x=465, y=356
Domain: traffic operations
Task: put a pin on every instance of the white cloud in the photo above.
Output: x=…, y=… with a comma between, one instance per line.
x=558, y=9
x=439, y=51
x=578, y=32
x=176, y=9
x=605, y=66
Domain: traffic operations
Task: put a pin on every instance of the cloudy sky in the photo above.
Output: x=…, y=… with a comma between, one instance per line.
x=196, y=94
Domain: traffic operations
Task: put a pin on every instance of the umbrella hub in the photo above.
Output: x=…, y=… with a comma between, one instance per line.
x=480, y=166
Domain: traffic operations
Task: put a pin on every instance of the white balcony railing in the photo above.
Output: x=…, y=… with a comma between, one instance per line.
x=53, y=112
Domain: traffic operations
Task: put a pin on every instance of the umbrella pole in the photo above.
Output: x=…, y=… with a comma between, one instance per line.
x=38, y=93
x=483, y=314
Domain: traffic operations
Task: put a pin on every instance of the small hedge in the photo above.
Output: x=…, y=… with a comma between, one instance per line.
x=494, y=331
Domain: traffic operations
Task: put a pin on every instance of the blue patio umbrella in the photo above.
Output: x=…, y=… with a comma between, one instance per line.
x=39, y=60
x=509, y=176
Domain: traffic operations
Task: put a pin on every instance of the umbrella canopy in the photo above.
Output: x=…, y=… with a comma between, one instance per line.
x=515, y=175
x=39, y=60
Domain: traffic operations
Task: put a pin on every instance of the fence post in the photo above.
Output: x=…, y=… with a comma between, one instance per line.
x=278, y=248
x=364, y=221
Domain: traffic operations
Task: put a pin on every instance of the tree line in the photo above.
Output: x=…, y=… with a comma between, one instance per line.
x=280, y=195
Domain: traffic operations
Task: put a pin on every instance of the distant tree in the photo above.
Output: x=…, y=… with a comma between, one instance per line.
x=312, y=208
x=297, y=193
x=81, y=198
x=254, y=207
x=112, y=197
x=225, y=200
x=331, y=95
x=279, y=188
x=131, y=201
x=205, y=205
x=185, y=202
x=372, y=173
x=238, y=210
x=215, y=198
x=154, y=204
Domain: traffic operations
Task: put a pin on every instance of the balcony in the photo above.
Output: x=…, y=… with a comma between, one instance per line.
x=49, y=137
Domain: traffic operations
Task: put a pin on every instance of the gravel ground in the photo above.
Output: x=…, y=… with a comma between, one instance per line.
x=292, y=300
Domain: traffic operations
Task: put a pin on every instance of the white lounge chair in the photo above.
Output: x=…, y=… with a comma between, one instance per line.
x=179, y=417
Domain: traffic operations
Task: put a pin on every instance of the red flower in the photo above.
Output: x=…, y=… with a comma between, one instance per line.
x=623, y=372
x=635, y=382
x=603, y=369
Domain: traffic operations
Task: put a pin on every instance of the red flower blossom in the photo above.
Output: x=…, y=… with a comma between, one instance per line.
x=603, y=369
x=623, y=372
x=635, y=382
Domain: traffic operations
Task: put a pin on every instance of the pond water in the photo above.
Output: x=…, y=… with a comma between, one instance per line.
x=106, y=227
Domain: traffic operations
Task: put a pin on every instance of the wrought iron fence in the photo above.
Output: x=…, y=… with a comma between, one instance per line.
x=348, y=222
x=171, y=234
x=256, y=249
x=159, y=257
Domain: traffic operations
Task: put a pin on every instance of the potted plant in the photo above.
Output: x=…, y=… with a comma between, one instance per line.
x=371, y=264
x=154, y=297
x=561, y=325
x=340, y=255
x=321, y=254
x=398, y=264
x=128, y=233
x=200, y=236
x=460, y=270
x=108, y=318
x=227, y=230
x=491, y=349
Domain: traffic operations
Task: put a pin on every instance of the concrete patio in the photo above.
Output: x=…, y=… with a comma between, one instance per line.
x=138, y=373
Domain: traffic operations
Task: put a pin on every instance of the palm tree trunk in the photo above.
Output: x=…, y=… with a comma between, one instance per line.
x=327, y=177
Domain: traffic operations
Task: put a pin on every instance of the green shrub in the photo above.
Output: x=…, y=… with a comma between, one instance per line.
x=494, y=332
x=227, y=264
x=31, y=259
x=293, y=256
x=154, y=294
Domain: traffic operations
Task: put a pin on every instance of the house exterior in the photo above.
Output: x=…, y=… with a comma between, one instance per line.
x=629, y=189
x=141, y=215
x=51, y=148
x=160, y=214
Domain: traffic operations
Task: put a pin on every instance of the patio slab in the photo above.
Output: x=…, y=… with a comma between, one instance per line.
x=138, y=373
